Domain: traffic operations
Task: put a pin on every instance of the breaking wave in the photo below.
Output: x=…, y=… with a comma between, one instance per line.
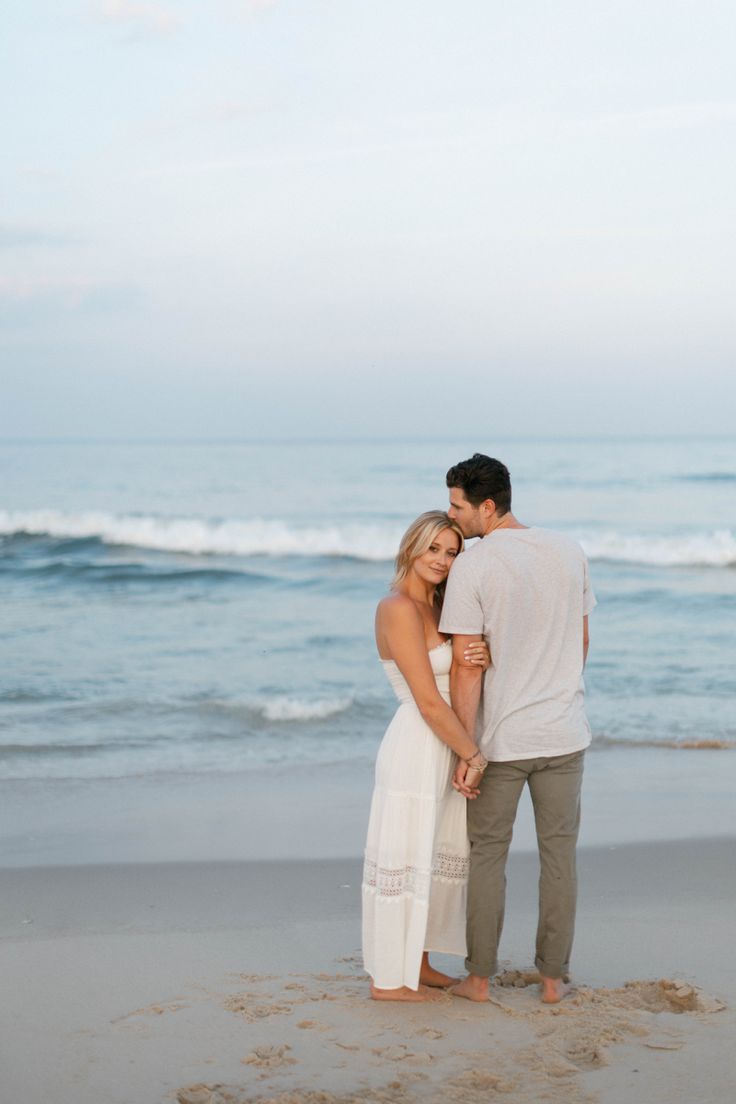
x=378, y=543
x=197, y=537
x=716, y=549
x=300, y=709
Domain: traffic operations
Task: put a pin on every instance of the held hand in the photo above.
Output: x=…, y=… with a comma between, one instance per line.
x=472, y=783
x=477, y=654
x=466, y=780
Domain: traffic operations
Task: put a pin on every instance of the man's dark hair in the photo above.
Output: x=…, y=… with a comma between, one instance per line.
x=482, y=477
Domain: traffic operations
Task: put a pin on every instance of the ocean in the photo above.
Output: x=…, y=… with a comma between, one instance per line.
x=176, y=609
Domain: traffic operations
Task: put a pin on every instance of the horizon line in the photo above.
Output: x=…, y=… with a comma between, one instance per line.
x=352, y=440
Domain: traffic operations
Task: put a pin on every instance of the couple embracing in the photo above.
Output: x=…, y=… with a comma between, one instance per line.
x=485, y=650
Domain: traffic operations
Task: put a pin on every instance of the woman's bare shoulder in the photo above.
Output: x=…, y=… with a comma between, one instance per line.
x=399, y=625
x=397, y=607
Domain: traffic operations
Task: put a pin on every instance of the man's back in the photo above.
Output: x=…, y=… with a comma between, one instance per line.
x=527, y=591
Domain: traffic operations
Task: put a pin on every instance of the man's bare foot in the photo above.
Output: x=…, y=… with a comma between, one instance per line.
x=423, y=993
x=435, y=979
x=472, y=987
x=554, y=989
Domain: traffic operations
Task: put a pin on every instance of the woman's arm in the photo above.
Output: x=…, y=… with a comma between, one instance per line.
x=466, y=682
x=400, y=626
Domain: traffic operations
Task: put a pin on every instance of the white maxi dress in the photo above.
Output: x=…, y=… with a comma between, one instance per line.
x=416, y=855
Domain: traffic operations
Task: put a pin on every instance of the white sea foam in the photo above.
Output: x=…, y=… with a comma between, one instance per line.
x=716, y=549
x=197, y=537
x=300, y=709
x=237, y=537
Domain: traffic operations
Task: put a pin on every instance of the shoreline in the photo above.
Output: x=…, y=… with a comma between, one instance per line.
x=321, y=812
x=143, y=980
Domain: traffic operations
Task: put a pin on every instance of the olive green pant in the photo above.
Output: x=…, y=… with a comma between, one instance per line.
x=554, y=784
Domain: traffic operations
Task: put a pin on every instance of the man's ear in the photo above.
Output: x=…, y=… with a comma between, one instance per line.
x=489, y=507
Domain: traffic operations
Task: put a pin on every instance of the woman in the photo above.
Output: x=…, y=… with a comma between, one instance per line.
x=416, y=854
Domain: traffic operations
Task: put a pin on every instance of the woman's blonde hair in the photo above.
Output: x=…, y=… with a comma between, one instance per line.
x=417, y=539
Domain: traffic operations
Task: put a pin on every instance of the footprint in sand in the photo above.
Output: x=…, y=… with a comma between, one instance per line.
x=251, y=1011
x=270, y=1057
x=431, y=1033
x=479, y=1081
x=588, y=1053
x=402, y=1054
x=153, y=1010
x=393, y=1093
x=665, y=1042
x=556, y=1065
x=334, y=977
x=196, y=1094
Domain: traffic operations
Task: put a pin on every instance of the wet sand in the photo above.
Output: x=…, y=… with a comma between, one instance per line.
x=226, y=983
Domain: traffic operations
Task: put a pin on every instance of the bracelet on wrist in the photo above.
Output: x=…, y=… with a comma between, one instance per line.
x=480, y=765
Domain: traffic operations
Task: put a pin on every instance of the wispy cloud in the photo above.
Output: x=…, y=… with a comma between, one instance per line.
x=34, y=300
x=21, y=237
x=671, y=117
x=493, y=129
x=139, y=18
x=39, y=172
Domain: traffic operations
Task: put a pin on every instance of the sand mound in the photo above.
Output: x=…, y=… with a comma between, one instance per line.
x=517, y=979
x=662, y=995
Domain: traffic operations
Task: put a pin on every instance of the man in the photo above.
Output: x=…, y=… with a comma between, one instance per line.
x=527, y=591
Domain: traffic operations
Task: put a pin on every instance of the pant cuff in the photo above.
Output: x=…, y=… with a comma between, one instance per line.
x=481, y=969
x=552, y=969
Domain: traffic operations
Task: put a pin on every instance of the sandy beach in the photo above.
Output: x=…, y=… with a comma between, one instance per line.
x=207, y=983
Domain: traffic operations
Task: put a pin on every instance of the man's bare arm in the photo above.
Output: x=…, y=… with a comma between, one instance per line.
x=466, y=683
x=586, y=641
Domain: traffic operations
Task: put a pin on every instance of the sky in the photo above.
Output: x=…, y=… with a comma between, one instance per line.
x=333, y=218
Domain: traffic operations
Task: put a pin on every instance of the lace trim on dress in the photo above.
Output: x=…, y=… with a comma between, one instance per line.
x=450, y=867
x=410, y=881
x=397, y=881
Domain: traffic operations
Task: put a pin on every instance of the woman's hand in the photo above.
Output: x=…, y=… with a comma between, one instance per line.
x=478, y=654
x=466, y=780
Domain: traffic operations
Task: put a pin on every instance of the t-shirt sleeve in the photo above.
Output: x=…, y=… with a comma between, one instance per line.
x=461, y=609
x=589, y=598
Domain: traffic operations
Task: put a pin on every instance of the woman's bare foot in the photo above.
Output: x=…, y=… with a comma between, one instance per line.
x=554, y=990
x=423, y=993
x=473, y=988
x=435, y=979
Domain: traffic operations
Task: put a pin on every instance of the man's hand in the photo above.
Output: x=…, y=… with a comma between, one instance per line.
x=466, y=780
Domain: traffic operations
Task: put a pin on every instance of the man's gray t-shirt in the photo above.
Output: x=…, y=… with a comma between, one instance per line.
x=526, y=591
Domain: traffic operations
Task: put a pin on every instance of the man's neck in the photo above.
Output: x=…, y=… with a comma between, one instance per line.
x=506, y=521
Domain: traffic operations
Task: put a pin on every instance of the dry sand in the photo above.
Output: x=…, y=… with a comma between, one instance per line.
x=238, y=983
